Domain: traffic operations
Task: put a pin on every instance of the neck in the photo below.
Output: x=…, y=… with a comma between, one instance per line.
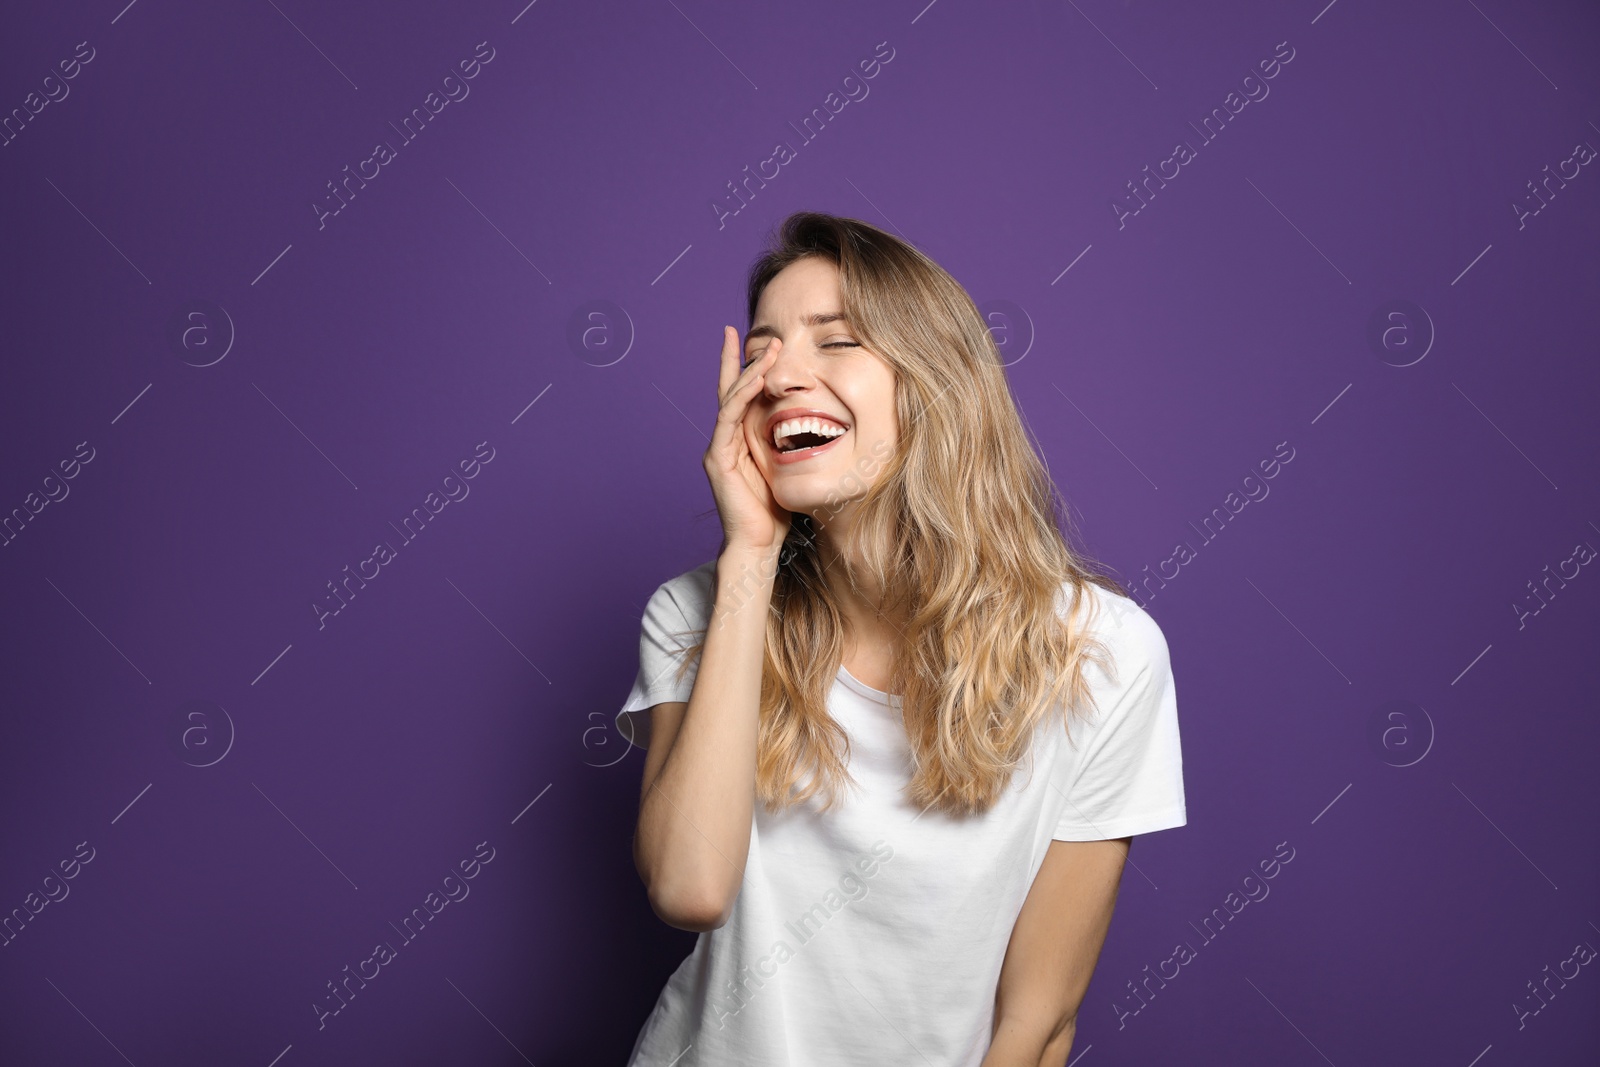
x=859, y=601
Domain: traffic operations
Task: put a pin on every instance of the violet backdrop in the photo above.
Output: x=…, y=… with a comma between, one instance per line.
x=244, y=346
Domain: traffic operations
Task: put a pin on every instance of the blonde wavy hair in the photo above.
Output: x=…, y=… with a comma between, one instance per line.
x=962, y=530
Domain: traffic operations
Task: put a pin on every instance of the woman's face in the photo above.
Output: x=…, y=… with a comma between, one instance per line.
x=822, y=369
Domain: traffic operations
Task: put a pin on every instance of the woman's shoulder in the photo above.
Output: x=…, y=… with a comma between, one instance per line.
x=1116, y=620
x=699, y=580
x=689, y=594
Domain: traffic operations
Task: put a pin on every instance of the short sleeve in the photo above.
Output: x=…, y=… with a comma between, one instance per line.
x=673, y=623
x=1129, y=777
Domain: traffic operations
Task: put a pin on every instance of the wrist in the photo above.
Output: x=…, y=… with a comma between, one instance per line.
x=745, y=576
x=1014, y=1048
x=1028, y=1041
x=742, y=564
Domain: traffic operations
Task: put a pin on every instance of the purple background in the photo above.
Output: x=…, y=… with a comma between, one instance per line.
x=1443, y=857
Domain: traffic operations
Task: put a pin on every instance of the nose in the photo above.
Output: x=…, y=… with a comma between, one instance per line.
x=790, y=370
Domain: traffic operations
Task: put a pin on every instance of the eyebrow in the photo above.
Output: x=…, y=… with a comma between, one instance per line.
x=820, y=318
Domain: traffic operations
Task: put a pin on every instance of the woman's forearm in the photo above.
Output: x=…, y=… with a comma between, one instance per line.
x=694, y=821
x=1022, y=1043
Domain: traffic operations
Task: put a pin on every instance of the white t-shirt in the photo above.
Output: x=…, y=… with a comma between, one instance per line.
x=873, y=934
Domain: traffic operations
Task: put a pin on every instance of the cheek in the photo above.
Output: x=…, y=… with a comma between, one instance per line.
x=882, y=436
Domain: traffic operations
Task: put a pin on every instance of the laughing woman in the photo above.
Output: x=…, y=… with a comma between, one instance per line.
x=900, y=734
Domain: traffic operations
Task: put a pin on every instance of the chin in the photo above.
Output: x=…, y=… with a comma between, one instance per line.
x=822, y=510
x=796, y=505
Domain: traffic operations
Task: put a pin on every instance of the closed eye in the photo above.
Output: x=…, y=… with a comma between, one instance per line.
x=745, y=361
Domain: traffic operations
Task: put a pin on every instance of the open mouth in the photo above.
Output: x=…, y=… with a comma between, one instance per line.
x=804, y=438
x=801, y=442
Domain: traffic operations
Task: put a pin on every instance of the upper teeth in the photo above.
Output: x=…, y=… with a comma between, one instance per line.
x=791, y=427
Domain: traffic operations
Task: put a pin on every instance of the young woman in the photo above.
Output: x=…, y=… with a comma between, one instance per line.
x=899, y=733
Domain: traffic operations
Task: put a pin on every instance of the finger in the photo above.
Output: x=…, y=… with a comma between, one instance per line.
x=755, y=366
x=730, y=417
x=771, y=349
x=744, y=389
x=729, y=369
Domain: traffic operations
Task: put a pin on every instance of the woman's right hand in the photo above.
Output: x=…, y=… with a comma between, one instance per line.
x=751, y=516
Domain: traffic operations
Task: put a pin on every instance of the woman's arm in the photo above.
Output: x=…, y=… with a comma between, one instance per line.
x=698, y=792
x=1054, y=946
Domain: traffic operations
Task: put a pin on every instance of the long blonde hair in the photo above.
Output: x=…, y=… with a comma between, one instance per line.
x=961, y=530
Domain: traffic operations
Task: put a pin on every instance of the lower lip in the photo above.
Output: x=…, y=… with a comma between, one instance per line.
x=803, y=454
